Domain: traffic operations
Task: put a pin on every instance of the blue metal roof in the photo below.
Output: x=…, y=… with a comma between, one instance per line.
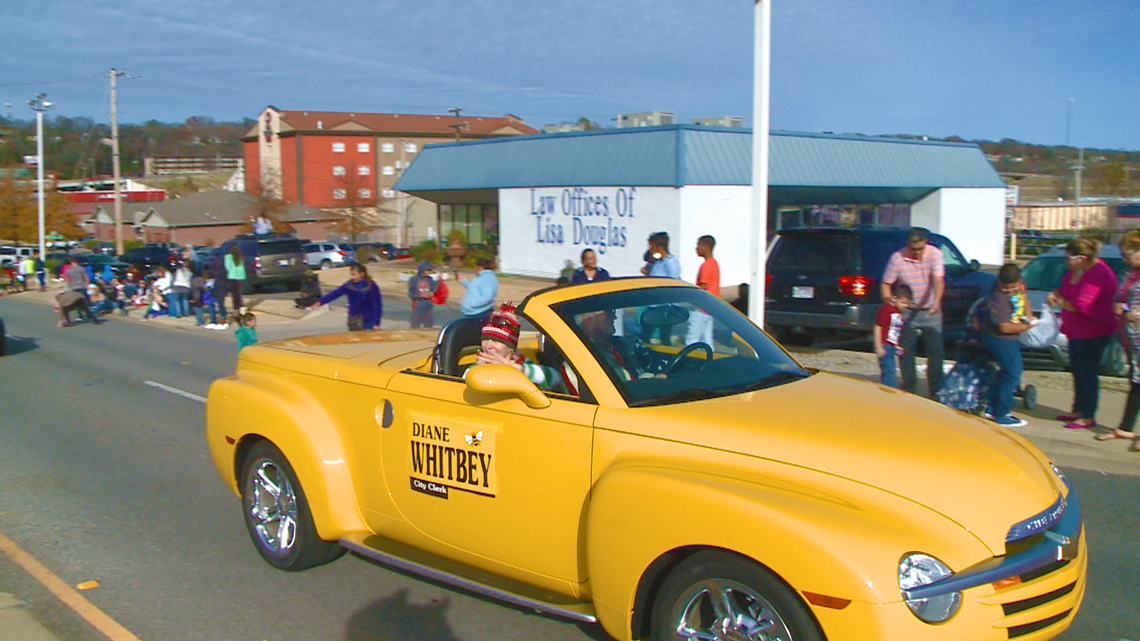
x=678, y=155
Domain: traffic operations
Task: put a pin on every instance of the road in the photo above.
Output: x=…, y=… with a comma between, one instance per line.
x=105, y=476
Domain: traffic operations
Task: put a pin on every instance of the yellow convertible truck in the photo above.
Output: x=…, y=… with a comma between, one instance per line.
x=678, y=476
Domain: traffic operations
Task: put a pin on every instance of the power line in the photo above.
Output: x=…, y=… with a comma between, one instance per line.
x=50, y=82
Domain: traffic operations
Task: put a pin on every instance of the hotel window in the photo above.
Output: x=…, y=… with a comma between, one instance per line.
x=362, y=147
x=388, y=170
x=364, y=170
x=338, y=170
x=410, y=147
x=364, y=193
x=338, y=147
x=338, y=194
x=386, y=147
x=388, y=193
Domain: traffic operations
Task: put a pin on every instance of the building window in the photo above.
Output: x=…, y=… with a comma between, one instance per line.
x=363, y=147
x=466, y=218
x=388, y=193
x=410, y=147
x=338, y=194
x=364, y=193
x=338, y=170
x=386, y=147
x=338, y=147
x=388, y=170
x=364, y=170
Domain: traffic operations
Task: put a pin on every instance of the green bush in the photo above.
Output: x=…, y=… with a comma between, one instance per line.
x=428, y=250
x=131, y=244
x=52, y=265
x=471, y=258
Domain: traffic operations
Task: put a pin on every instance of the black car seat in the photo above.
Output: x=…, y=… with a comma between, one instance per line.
x=453, y=337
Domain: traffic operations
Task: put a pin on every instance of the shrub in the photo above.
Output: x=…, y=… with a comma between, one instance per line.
x=456, y=238
x=471, y=258
x=427, y=250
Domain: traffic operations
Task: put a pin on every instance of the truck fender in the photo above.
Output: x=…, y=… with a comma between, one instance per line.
x=253, y=405
x=791, y=533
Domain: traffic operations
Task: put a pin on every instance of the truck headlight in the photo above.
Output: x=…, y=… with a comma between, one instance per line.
x=917, y=570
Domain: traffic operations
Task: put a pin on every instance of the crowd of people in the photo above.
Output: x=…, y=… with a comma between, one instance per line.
x=187, y=287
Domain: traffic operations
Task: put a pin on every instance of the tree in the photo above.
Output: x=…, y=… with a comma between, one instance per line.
x=360, y=203
x=588, y=124
x=19, y=211
x=266, y=201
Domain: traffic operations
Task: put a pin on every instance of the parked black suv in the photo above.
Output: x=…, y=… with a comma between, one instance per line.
x=269, y=259
x=827, y=280
x=149, y=257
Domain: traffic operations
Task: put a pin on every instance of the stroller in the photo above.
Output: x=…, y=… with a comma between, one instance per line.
x=967, y=386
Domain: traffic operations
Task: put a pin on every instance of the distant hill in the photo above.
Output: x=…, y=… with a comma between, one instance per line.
x=78, y=148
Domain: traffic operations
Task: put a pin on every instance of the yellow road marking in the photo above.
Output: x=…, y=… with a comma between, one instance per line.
x=65, y=593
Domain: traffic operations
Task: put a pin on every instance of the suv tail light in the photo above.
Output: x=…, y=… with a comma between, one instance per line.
x=855, y=285
x=341, y=253
x=257, y=263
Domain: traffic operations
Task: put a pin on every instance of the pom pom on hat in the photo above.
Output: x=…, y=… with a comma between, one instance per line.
x=503, y=325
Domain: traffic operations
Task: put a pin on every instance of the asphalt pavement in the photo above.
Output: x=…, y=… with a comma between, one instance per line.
x=151, y=550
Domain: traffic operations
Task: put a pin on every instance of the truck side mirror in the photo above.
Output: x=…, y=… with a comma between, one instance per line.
x=504, y=379
x=975, y=265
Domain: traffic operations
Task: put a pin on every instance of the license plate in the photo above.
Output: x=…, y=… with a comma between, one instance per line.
x=283, y=262
x=803, y=291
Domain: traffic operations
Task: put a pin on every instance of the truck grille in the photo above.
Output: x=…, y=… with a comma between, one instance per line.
x=1045, y=600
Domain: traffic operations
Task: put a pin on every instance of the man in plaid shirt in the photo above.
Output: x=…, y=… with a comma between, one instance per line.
x=920, y=266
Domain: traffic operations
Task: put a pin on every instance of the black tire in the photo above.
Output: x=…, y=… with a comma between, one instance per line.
x=684, y=599
x=1029, y=397
x=291, y=543
x=1115, y=361
x=326, y=264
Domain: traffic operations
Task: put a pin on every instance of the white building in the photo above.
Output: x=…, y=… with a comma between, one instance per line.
x=538, y=201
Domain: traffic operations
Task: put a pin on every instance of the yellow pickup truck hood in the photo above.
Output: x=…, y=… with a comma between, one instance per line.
x=964, y=467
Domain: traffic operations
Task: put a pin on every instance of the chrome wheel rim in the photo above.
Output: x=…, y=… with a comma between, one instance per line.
x=273, y=507
x=724, y=610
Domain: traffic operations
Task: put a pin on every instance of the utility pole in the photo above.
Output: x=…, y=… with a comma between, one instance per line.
x=115, y=163
x=459, y=125
x=1077, y=170
x=40, y=105
x=401, y=205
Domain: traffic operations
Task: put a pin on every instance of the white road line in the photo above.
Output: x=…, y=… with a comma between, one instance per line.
x=175, y=390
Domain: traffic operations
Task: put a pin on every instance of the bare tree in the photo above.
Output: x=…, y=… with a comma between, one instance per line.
x=360, y=204
x=267, y=202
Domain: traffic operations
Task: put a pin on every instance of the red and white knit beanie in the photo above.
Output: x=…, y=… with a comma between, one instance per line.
x=503, y=326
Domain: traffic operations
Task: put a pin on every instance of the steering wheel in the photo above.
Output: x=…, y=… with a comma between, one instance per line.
x=682, y=355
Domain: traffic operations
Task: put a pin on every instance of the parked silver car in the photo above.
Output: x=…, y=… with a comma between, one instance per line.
x=1042, y=275
x=328, y=255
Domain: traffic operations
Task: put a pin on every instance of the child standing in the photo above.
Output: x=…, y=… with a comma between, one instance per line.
x=246, y=333
x=888, y=326
x=708, y=278
x=365, y=305
x=1006, y=321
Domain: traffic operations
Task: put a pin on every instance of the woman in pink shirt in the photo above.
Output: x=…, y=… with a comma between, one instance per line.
x=1087, y=318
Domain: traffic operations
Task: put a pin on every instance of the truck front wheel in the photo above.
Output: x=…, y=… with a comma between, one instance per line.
x=716, y=595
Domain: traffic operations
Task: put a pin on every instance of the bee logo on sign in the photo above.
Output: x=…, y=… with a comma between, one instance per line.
x=446, y=454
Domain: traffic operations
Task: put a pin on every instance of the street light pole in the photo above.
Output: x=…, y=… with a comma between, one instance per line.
x=40, y=105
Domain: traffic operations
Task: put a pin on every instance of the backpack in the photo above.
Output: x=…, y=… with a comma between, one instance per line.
x=440, y=295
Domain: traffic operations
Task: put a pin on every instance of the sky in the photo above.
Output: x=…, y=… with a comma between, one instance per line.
x=1039, y=71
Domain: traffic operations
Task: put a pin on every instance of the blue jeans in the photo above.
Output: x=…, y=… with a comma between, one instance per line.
x=179, y=304
x=888, y=365
x=1084, y=360
x=930, y=329
x=1006, y=352
x=200, y=313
